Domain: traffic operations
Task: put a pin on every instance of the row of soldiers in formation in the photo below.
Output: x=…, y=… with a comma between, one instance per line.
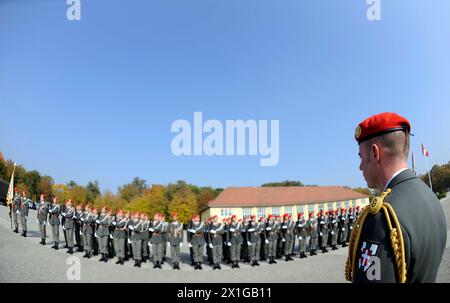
x=133, y=236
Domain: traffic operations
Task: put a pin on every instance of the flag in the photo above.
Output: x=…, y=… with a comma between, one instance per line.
x=10, y=195
x=425, y=151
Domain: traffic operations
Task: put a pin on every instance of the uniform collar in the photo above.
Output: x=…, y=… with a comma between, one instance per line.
x=400, y=176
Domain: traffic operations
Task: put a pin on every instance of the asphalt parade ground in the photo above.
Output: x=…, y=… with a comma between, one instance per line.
x=25, y=260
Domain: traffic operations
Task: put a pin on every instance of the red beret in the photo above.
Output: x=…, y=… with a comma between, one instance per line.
x=270, y=216
x=300, y=214
x=233, y=216
x=253, y=216
x=380, y=124
x=286, y=215
x=195, y=216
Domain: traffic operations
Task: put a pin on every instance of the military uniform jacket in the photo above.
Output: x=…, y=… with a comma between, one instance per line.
x=54, y=212
x=254, y=230
x=165, y=230
x=272, y=229
x=69, y=224
x=216, y=232
x=234, y=233
x=42, y=212
x=350, y=221
x=16, y=202
x=136, y=229
x=333, y=224
x=324, y=225
x=157, y=228
x=120, y=232
x=24, y=207
x=145, y=230
x=301, y=228
x=312, y=227
x=197, y=231
x=103, y=222
x=175, y=233
x=88, y=220
x=424, y=231
x=287, y=230
x=342, y=222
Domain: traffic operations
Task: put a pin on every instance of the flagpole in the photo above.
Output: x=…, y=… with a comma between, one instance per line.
x=429, y=176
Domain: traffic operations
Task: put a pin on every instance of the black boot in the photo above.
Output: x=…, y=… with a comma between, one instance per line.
x=88, y=254
x=155, y=265
x=105, y=258
x=135, y=263
x=119, y=261
x=178, y=266
x=286, y=259
x=344, y=244
x=256, y=263
x=273, y=260
x=24, y=234
x=311, y=253
x=102, y=258
x=70, y=250
x=253, y=264
x=16, y=230
x=290, y=258
x=159, y=264
x=56, y=246
x=334, y=247
x=200, y=266
x=174, y=266
x=139, y=263
x=323, y=250
x=85, y=255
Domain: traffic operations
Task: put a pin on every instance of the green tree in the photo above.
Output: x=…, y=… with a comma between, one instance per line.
x=78, y=194
x=93, y=189
x=33, y=182
x=61, y=191
x=284, y=183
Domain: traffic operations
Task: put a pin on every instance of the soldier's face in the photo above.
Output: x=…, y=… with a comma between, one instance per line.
x=368, y=164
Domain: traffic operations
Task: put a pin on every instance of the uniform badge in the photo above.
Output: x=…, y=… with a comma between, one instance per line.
x=368, y=250
x=357, y=132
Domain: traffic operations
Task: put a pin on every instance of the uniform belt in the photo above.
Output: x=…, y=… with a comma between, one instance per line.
x=157, y=234
x=197, y=235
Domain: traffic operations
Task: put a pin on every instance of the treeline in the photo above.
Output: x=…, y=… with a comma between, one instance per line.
x=183, y=198
x=440, y=179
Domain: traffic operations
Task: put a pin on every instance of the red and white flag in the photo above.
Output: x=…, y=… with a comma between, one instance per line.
x=425, y=151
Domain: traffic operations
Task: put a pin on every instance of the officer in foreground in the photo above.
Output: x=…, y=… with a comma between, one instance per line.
x=390, y=241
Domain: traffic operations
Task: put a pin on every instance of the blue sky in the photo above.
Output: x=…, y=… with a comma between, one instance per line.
x=94, y=99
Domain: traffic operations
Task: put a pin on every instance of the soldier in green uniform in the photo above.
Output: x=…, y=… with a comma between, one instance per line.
x=342, y=226
x=197, y=241
x=333, y=226
x=104, y=220
x=323, y=226
x=254, y=239
x=264, y=241
x=54, y=212
x=42, y=218
x=272, y=236
x=157, y=241
x=176, y=240
x=165, y=237
x=302, y=234
x=287, y=232
x=226, y=249
x=136, y=238
x=15, y=212
x=350, y=223
x=120, y=235
x=145, y=237
x=87, y=218
x=391, y=242
x=216, y=231
x=69, y=225
x=23, y=210
x=279, y=244
x=245, y=248
x=311, y=226
x=235, y=241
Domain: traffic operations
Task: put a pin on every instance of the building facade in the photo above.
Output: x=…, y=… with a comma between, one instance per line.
x=264, y=201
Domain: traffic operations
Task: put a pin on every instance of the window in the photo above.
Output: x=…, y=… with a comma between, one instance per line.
x=225, y=212
x=246, y=212
x=261, y=212
x=288, y=210
x=321, y=206
x=311, y=208
x=347, y=204
x=275, y=211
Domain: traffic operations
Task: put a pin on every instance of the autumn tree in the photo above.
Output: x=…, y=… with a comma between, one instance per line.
x=46, y=187
x=184, y=203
